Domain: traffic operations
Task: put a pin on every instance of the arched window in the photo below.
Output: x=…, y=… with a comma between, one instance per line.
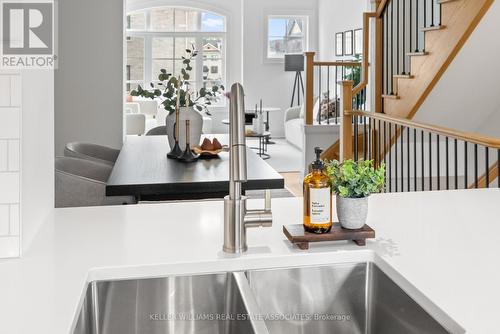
x=158, y=37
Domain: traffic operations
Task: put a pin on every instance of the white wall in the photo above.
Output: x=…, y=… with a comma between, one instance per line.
x=37, y=151
x=338, y=16
x=467, y=96
x=89, y=81
x=268, y=81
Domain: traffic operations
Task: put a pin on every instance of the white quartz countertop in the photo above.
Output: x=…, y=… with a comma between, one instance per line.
x=441, y=247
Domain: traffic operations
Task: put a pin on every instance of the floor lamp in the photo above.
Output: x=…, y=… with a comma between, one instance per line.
x=295, y=63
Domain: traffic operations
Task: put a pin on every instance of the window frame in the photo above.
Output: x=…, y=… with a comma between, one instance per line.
x=148, y=34
x=306, y=33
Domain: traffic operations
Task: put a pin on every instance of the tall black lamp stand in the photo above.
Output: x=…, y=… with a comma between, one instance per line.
x=295, y=63
x=298, y=88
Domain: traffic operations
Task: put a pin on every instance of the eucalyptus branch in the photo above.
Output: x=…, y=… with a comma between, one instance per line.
x=179, y=87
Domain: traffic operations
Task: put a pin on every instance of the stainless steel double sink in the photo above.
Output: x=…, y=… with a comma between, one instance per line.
x=342, y=298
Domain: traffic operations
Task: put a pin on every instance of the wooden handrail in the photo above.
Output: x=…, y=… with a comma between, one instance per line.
x=469, y=137
x=381, y=7
x=309, y=96
x=337, y=63
x=366, y=54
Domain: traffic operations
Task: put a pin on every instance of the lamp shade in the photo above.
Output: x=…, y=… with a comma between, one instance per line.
x=294, y=63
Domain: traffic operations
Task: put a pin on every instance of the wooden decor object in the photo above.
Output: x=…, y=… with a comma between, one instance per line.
x=301, y=238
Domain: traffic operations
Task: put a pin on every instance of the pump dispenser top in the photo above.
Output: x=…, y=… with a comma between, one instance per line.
x=318, y=163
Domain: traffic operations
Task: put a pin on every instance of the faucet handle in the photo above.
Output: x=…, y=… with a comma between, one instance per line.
x=260, y=218
x=267, y=200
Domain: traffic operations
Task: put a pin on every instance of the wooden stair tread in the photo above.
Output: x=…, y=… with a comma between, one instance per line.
x=445, y=1
x=434, y=28
x=403, y=76
x=391, y=97
x=419, y=53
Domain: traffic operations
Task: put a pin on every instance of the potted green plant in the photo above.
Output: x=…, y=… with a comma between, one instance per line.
x=175, y=91
x=353, y=182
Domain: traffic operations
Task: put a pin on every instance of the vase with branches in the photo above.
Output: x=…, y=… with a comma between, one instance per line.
x=170, y=88
x=182, y=104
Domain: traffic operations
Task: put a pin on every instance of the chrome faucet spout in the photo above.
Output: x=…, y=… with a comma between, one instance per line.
x=236, y=217
x=237, y=141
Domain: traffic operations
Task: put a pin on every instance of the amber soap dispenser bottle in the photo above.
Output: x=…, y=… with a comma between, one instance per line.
x=317, y=198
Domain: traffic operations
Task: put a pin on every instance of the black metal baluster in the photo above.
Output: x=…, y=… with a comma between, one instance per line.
x=476, y=171
x=415, y=160
x=456, y=163
x=438, y=164
x=487, y=164
x=404, y=37
x=364, y=98
x=410, y=18
x=498, y=168
x=336, y=95
x=328, y=94
x=385, y=154
x=392, y=49
x=423, y=158
x=416, y=26
x=386, y=52
x=432, y=13
x=356, y=129
x=430, y=160
x=408, y=157
x=396, y=156
x=466, y=166
x=320, y=96
x=397, y=36
x=402, y=159
x=440, y=13
x=368, y=148
x=378, y=144
x=425, y=13
x=364, y=137
x=390, y=157
x=447, y=164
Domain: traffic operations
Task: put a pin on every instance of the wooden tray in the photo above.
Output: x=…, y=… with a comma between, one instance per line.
x=301, y=238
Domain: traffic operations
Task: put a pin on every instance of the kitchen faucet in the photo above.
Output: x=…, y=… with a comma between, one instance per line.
x=236, y=216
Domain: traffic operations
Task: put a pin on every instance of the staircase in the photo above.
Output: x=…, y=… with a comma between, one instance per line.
x=414, y=43
x=424, y=50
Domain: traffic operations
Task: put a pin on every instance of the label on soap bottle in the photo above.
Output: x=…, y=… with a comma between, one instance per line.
x=319, y=205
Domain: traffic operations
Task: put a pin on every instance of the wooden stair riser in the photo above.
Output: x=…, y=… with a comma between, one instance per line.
x=396, y=78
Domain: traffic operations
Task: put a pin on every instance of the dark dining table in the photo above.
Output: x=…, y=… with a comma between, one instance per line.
x=143, y=170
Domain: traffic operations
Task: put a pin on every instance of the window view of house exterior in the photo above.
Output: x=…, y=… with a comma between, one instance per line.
x=157, y=39
x=286, y=35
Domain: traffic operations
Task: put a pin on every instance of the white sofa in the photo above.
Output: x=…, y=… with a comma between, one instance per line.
x=294, y=121
x=293, y=126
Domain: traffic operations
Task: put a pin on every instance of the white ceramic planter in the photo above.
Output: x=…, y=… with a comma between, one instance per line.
x=195, y=127
x=352, y=212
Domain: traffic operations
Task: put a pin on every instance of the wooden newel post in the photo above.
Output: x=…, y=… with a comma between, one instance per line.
x=346, y=120
x=309, y=98
x=379, y=54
